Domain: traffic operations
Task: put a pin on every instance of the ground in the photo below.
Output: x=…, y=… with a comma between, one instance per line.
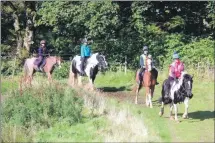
x=117, y=88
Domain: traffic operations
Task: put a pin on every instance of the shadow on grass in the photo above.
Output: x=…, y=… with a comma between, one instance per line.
x=114, y=89
x=202, y=115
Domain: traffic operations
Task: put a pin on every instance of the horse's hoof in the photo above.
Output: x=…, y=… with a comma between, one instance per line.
x=160, y=114
x=136, y=102
x=185, y=117
x=177, y=121
x=171, y=118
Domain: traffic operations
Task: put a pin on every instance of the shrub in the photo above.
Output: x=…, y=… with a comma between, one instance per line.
x=44, y=107
x=62, y=72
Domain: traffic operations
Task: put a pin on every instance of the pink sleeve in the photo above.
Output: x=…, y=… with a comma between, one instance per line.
x=172, y=70
x=182, y=67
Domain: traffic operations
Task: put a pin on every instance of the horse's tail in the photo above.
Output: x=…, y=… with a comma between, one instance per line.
x=25, y=69
x=72, y=72
x=23, y=78
x=73, y=66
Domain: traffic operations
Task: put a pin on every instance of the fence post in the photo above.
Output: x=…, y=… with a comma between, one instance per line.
x=14, y=67
x=125, y=64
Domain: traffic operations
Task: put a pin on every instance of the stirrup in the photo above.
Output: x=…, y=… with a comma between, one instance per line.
x=41, y=69
x=37, y=69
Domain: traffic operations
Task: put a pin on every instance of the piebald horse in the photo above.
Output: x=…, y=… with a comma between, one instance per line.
x=180, y=91
x=94, y=64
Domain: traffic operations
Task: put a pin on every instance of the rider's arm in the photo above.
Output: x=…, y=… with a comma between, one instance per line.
x=40, y=52
x=172, y=71
x=141, y=61
x=182, y=67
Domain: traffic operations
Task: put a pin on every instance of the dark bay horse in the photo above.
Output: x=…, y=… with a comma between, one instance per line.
x=29, y=69
x=149, y=82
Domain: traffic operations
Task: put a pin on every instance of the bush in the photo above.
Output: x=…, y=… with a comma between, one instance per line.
x=44, y=107
x=62, y=72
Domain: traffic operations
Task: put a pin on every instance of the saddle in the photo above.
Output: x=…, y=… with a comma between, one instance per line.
x=41, y=65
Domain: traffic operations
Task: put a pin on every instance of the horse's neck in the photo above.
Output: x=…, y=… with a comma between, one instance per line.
x=178, y=85
x=92, y=61
x=51, y=61
x=148, y=64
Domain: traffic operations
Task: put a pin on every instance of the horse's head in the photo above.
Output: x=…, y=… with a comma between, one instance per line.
x=58, y=61
x=149, y=63
x=188, y=84
x=102, y=64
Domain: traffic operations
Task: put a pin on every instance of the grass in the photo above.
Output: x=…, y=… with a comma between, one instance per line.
x=198, y=128
x=89, y=130
x=8, y=84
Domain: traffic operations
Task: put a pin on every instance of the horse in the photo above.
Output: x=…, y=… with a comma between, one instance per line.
x=95, y=63
x=29, y=67
x=149, y=82
x=180, y=91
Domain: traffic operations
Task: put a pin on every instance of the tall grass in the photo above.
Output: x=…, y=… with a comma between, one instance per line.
x=39, y=107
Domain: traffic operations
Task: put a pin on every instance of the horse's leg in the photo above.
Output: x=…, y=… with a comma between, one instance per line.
x=147, y=96
x=30, y=80
x=176, y=111
x=91, y=83
x=171, y=107
x=71, y=80
x=137, y=92
x=186, y=101
x=162, y=109
x=150, y=99
x=151, y=91
x=75, y=76
x=49, y=78
x=79, y=81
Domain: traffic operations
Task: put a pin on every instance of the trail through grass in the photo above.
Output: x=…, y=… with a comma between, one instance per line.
x=104, y=127
x=198, y=128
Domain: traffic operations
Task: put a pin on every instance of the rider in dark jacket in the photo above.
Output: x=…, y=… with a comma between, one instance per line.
x=42, y=53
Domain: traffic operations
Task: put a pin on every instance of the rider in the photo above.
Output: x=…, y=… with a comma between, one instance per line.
x=175, y=68
x=85, y=53
x=143, y=64
x=42, y=51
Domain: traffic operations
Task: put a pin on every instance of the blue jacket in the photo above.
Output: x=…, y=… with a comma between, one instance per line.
x=85, y=51
x=41, y=52
x=142, y=60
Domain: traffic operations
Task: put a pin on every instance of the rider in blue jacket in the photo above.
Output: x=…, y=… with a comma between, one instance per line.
x=143, y=58
x=85, y=54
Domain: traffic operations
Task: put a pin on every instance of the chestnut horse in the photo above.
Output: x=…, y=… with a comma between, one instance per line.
x=29, y=69
x=149, y=82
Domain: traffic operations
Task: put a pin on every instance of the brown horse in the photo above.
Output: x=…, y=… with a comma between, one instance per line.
x=149, y=82
x=29, y=67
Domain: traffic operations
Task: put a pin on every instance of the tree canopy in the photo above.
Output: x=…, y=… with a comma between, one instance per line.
x=118, y=28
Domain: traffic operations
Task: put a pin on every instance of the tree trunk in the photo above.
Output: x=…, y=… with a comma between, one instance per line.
x=30, y=20
x=19, y=40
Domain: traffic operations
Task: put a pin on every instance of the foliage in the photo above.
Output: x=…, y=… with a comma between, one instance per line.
x=62, y=72
x=119, y=29
x=42, y=107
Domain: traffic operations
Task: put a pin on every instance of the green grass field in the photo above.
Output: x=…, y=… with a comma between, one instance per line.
x=198, y=128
